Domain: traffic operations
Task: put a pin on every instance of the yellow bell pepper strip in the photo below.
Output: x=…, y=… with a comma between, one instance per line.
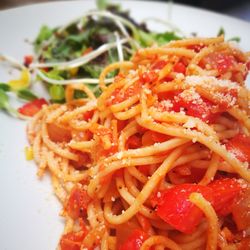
x=22, y=82
x=29, y=153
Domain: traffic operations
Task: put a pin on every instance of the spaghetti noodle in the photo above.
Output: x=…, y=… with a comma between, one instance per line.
x=160, y=159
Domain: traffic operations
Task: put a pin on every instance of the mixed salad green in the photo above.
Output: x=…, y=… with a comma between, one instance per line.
x=77, y=53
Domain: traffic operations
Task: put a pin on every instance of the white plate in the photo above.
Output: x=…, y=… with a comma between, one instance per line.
x=29, y=212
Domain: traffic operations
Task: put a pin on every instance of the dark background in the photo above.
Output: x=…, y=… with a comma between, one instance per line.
x=218, y=5
x=236, y=8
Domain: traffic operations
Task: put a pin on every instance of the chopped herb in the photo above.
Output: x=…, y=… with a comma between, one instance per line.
x=44, y=34
x=4, y=100
x=221, y=32
x=5, y=105
x=5, y=87
x=26, y=94
x=236, y=39
x=78, y=94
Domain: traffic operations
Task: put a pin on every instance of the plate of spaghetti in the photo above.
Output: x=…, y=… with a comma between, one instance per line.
x=158, y=160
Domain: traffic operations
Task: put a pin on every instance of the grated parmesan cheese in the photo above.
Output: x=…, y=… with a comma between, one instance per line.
x=210, y=81
x=189, y=124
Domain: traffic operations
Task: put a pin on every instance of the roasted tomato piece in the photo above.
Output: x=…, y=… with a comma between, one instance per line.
x=77, y=203
x=31, y=108
x=173, y=206
x=225, y=192
x=134, y=240
x=218, y=60
x=239, y=145
x=58, y=134
x=241, y=210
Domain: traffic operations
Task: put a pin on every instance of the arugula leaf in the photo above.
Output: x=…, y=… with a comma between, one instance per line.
x=5, y=87
x=26, y=94
x=44, y=34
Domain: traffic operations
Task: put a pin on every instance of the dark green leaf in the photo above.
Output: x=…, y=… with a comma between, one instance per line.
x=78, y=94
x=61, y=52
x=97, y=92
x=95, y=89
x=94, y=70
x=221, y=32
x=236, y=39
x=68, y=47
x=4, y=104
x=58, y=101
x=77, y=38
x=163, y=38
x=4, y=100
x=146, y=39
x=26, y=94
x=44, y=34
x=5, y=87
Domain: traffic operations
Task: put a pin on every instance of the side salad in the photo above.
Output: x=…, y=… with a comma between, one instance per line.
x=77, y=52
